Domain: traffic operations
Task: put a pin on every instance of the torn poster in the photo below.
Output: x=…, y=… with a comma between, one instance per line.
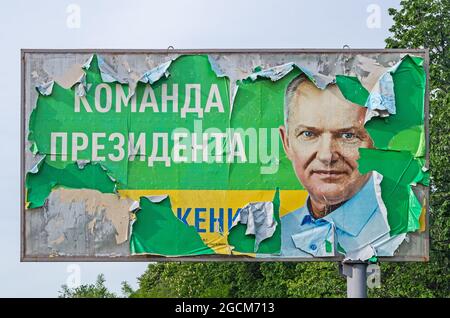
x=271, y=155
x=259, y=219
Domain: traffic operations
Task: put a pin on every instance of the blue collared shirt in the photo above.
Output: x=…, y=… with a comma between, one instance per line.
x=357, y=224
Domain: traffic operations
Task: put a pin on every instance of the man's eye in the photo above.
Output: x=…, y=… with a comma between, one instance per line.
x=348, y=135
x=307, y=134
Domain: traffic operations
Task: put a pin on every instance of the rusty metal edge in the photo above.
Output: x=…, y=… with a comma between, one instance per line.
x=200, y=51
x=203, y=258
x=427, y=150
x=22, y=156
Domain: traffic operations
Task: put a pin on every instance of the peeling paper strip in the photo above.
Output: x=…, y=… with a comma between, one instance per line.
x=274, y=73
x=402, y=170
x=387, y=247
x=72, y=78
x=46, y=88
x=382, y=96
x=381, y=100
x=109, y=173
x=369, y=250
x=37, y=166
x=156, y=73
x=149, y=234
x=87, y=64
x=34, y=149
x=40, y=185
x=234, y=90
x=384, y=246
x=82, y=88
x=221, y=73
x=363, y=254
x=278, y=72
x=321, y=81
x=107, y=73
x=377, y=179
x=134, y=207
x=259, y=218
x=216, y=67
x=414, y=58
x=82, y=163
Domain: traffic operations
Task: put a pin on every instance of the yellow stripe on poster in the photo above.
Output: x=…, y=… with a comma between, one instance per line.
x=215, y=208
x=422, y=218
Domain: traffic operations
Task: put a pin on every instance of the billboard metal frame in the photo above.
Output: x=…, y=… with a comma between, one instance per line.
x=203, y=258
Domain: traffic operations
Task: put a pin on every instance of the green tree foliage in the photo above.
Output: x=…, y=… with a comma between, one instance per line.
x=425, y=24
x=241, y=280
x=95, y=290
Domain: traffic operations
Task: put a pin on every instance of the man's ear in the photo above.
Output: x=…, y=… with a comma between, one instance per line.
x=285, y=140
x=365, y=134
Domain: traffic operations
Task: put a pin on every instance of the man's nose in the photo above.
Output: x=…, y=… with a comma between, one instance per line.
x=327, y=151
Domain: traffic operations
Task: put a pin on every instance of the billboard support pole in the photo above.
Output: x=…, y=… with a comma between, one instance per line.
x=356, y=274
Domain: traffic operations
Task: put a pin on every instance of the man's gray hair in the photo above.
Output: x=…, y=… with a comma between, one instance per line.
x=289, y=95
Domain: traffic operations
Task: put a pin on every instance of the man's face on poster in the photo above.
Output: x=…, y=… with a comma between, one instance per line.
x=322, y=137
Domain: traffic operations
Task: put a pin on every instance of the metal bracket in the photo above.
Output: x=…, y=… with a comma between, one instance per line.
x=356, y=274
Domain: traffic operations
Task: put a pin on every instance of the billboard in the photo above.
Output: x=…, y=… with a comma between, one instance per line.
x=291, y=155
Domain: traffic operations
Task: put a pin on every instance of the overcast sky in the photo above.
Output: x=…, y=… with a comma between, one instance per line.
x=134, y=24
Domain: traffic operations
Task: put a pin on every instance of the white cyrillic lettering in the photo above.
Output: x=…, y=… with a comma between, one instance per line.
x=250, y=138
x=218, y=146
x=197, y=103
x=235, y=141
x=98, y=98
x=145, y=102
x=214, y=94
x=202, y=147
x=178, y=147
x=85, y=103
x=53, y=148
x=121, y=98
x=165, y=98
x=165, y=146
x=118, y=147
x=78, y=147
x=96, y=147
x=138, y=147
